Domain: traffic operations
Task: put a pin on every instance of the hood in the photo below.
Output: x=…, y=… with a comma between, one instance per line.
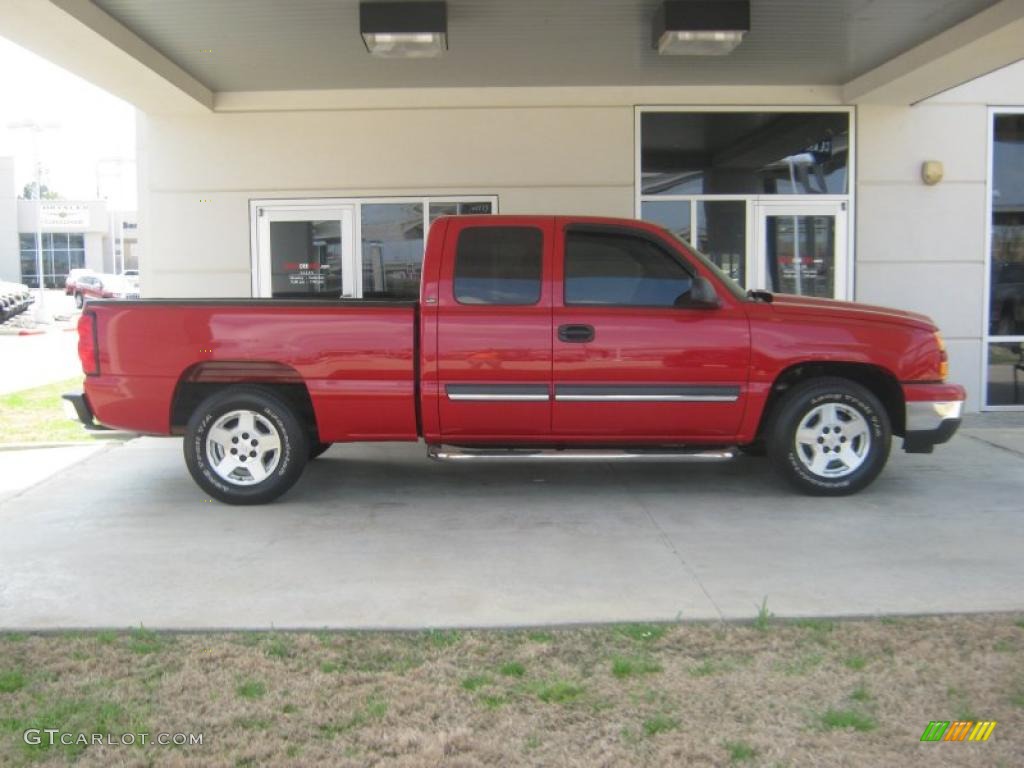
x=806, y=305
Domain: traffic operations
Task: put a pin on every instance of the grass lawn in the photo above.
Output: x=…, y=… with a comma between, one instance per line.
x=822, y=693
x=37, y=415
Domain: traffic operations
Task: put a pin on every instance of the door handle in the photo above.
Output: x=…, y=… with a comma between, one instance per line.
x=577, y=334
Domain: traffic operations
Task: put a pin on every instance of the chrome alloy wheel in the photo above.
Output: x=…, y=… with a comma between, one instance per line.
x=833, y=440
x=243, y=447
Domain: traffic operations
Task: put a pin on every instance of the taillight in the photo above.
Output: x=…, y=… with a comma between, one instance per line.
x=943, y=357
x=88, y=348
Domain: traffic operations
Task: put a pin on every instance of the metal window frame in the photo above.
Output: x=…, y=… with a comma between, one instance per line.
x=256, y=206
x=753, y=200
x=987, y=338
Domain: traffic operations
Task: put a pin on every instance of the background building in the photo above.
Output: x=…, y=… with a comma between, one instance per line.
x=75, y=234
x=868, y=151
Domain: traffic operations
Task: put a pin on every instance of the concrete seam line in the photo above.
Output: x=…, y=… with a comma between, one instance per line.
x=671, y=546
x=1014, y=451
x=69, y=444
x=411, y=629
x=103, y=448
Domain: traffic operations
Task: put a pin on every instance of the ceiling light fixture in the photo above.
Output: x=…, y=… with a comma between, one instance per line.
x=700, y=27
x=409, y=30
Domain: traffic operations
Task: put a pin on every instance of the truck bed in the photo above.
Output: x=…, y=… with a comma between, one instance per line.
x=358, y=359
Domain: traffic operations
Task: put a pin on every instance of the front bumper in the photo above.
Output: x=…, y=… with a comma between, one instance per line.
x=932, y=422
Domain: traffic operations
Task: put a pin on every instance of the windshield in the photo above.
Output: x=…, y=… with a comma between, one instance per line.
x=734, y=288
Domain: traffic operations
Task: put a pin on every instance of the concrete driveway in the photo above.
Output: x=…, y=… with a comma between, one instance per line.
x=378, y=536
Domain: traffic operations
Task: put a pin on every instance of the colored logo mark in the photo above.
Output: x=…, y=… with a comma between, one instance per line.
x=958, y=730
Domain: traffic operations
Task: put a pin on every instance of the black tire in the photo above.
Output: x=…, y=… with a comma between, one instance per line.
x=316, y=449
x=79, y=301
x=264, y=404
x=797, y=406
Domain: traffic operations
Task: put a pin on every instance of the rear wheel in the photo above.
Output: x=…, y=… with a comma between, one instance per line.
x=830, y=437
x=79, y=301
x=244, y=445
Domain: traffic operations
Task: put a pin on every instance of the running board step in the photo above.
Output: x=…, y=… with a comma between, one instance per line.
x=458, y=453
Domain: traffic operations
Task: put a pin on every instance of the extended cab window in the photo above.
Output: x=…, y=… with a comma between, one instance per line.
x=498, y=265
x=623, y=270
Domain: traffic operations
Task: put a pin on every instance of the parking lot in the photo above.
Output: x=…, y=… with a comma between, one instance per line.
x=379, y=536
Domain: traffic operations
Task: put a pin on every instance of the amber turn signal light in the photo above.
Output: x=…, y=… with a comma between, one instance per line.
x=943, y=357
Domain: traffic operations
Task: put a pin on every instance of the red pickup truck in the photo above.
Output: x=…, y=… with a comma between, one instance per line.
x=535, y=336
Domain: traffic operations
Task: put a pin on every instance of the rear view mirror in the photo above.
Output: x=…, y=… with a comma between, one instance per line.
x=701, y=295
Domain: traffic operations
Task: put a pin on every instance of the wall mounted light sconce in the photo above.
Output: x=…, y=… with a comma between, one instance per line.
x=932, y=172
x=405, y=30
x=700, y=27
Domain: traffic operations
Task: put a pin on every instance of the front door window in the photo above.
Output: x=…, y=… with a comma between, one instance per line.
x=307, y=253
x=801, y=249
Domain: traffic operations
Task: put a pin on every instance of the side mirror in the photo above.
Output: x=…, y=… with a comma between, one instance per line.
x=701, y=295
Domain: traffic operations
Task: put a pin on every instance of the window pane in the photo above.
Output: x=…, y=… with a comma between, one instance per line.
x=76, y=241
x=453, y=209
x=621, y=270
x=29, y=274
x=1007, y=291
x=305, y=258
x=392, y=239
x=673, y=215
x=801, y=252
x=1005, y=374
x=27, y=241
x=756, y=153
x=498, y=265
x=722, y=235
x=60, y=267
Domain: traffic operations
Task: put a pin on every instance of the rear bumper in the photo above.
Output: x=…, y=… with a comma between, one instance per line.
x=77, y=407
x=933, y=415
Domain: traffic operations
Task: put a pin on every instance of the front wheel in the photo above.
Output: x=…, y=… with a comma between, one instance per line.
x=244, y=445
x=830, y=437
x=79, y=301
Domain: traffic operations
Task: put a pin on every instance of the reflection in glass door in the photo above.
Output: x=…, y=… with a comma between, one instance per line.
x=307, y=253
x=801, y=249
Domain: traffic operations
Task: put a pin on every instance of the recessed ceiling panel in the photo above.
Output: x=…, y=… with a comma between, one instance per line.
x=254, y=45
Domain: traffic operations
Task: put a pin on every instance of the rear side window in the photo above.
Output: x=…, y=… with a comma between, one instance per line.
x=498, y=265
x=622, y=270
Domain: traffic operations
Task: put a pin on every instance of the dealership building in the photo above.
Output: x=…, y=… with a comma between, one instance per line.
x=844, y=149
x=72, y=234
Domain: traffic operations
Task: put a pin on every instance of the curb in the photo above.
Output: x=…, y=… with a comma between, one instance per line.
x=78, y=444
x=33, y=331
x=21, y=331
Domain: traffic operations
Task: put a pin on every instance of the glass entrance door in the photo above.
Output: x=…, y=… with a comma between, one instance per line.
x=307, y=252
x=801, y=248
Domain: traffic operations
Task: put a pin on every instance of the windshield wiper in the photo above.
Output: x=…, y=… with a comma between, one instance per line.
x=757, y=295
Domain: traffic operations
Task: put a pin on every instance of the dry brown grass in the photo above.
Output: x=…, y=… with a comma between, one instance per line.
x=696, y=695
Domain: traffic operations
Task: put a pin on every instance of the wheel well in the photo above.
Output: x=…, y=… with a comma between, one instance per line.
x=880, y=382
x=202, y=380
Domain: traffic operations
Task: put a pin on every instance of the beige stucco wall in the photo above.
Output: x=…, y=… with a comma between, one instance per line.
x=920, y=247
x=545, y=150
x=203, y=171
